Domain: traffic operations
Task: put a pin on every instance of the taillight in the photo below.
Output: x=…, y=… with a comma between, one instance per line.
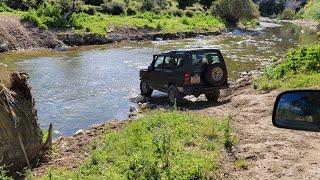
x=187, y=78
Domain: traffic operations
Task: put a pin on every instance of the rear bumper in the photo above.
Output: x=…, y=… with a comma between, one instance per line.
x=196, y=90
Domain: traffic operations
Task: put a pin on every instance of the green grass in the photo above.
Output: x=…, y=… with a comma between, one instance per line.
x=161, y=145
x=241, y=164
x=301, y=69
x=101, y=23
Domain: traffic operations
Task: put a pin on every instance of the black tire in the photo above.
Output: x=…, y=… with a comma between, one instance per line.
x=213, y=97
x=145, y=88
x=216, y=74
x=174, y=96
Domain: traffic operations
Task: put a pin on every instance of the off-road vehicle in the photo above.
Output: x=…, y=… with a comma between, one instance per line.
x=186, y=72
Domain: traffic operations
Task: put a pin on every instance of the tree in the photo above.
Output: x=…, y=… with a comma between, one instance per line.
x=234, y=10
x=270, y=7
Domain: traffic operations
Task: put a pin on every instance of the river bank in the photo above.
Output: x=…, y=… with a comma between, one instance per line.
x=17, y=35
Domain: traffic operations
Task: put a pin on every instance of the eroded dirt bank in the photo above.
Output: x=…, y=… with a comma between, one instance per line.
x=271, y=153
x=16, y=35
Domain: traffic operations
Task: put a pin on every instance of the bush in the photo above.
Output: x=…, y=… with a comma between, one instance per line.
x=234, y=10
x=5, y=8
x=131, y=11
x=94, y=2
x=206, y=3
x=312, y=10
x=105, y=8
x=178, y=13
x=117, y=8
x=182, y=4
x=302, y=60
x=47, y=15
x=154, y=5
x=189, y=13
x=270, y=7
x=287, y=14
x=88, y=9
x=113, y=8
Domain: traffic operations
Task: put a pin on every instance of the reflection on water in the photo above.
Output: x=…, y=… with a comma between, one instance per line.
x=83, y=86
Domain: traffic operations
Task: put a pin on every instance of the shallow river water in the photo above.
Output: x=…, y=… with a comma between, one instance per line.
x=77, y=88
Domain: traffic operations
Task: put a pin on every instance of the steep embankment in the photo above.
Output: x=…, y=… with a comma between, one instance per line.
x=15, y=35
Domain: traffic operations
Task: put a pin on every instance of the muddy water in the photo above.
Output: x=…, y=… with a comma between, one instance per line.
x=83, y=86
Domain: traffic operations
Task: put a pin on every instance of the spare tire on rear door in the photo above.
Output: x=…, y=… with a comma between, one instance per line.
x=216, y=74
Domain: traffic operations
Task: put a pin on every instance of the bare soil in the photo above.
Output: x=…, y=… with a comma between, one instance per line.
x=270, y=152
x=15, y=35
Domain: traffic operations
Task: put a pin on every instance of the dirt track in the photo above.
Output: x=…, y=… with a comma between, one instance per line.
x=271, y=153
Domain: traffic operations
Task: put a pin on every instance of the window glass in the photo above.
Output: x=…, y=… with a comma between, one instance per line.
x=178, y=63
x=159, y=62
x=201, y=59
x=169, y=63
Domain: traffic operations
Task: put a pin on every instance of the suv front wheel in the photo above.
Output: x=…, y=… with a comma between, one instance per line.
x=145, y=88
x=214, y=96
x=174, y=96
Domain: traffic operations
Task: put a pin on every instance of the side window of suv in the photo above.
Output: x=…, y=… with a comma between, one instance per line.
x=158, y=63
x=169, y=62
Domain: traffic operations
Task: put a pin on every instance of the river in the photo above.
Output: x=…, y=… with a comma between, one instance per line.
x=83, y=86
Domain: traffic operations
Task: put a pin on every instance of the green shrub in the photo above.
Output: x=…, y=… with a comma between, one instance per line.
x=300, y=69
x=178, y=13
x=94, y=2
x=105, y=8
x=206, y=3
x=5, y=8
x=154, y=5
x=88, y=9
x=131, y=11
x=3, y=174
x=234, y=10
x=161, y=145
x=182, y=4
x=287, y=14
x=117, y=8
x=31, y=16
x=270, y=7
x=312, y=10
x=189, y=13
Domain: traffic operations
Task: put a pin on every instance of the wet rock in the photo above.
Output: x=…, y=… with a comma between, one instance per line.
x=3, y=46
x=133, y=109
x=79, y=132
x=159, y=39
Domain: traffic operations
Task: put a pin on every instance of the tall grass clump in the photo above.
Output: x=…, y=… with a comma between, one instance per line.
x=47, y=15
x=5, y=8
x=161, y=145
x=300, y=69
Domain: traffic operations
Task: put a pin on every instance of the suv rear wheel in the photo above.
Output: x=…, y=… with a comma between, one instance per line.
x=213, y=97
x=174, y=96
x=216, y=74
x=145, y=88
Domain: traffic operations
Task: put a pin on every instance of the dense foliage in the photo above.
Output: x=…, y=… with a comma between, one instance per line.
x=301, y=68
x=312, y=10
x=234, y=10
x=161, y=145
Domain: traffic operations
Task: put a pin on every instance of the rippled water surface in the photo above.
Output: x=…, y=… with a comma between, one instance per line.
x=83, y=86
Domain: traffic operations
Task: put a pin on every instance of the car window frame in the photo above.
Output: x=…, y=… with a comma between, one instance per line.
x=154, y=63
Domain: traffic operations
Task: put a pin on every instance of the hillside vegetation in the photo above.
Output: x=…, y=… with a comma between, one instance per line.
x=300, y=69
x=102, y=16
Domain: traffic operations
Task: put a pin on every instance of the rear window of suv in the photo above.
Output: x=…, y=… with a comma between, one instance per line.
x=201, y=59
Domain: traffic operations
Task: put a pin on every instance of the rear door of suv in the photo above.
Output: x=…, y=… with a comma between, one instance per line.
x=173, y=70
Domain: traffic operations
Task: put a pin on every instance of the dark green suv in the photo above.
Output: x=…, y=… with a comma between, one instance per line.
x=186, y=72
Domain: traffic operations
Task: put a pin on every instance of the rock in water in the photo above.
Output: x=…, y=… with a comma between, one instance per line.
x=20, y=134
